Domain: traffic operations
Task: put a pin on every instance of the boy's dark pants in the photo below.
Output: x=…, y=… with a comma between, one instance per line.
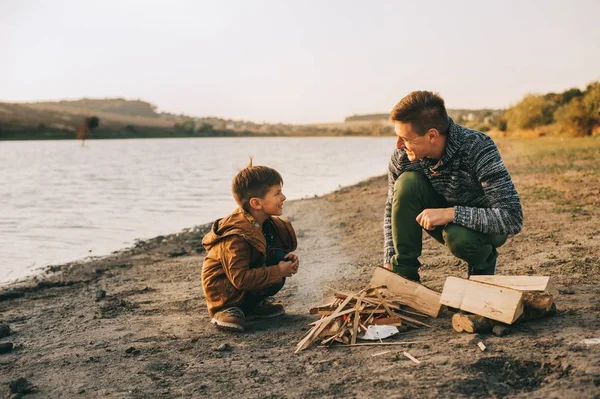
x=254, y=298
x=412, y=194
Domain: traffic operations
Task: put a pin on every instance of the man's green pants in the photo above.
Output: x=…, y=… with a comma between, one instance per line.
x=412, y=194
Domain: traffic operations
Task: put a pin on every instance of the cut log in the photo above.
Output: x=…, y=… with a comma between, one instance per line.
x=534, y=314
x=521, y=283
x=496, y=303
x=413, y=294
x=537, y=300
x=471, y=323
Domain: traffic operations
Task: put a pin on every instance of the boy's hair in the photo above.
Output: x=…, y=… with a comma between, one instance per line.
x=424, y=110
x=253, y=181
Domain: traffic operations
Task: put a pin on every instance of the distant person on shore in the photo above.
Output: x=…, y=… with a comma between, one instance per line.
x=450, y=181
x=249, y=252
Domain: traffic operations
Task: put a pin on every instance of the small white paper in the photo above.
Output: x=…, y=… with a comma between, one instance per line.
x=591, y=341
x=376, y=332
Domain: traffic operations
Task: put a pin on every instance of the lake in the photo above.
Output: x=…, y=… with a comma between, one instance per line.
x=61, y=201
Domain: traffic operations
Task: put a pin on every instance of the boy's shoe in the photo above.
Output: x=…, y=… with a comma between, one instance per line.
x=230, y=319
x=267, y=308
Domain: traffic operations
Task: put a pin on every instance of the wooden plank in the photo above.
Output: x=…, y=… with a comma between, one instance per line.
x=491, y=301
x=388, y=321
x=413, y=294
x=521, y=283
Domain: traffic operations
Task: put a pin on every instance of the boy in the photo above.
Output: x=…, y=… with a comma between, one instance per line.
x=249, y=255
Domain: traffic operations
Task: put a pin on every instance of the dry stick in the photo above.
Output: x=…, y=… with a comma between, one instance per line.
x=356, y=319
x=372, y=301
x=414, y=321
x=372, y=314
x=412, y=313
x=380, y=353
x=385, y=306
x=411, y=357
x=380, y=343
x=332, y=316
x=306, y=341
x=341, y=331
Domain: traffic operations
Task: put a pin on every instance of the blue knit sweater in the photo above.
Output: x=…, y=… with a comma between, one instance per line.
x=471, y=177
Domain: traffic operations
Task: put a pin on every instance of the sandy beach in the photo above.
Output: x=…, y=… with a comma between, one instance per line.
x=134, y=324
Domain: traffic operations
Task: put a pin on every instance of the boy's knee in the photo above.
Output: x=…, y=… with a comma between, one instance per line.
x=461, y=241
x=407, y=182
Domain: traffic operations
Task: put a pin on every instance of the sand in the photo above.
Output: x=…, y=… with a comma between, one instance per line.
x=135, y=325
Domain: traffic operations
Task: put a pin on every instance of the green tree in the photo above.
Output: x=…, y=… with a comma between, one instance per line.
x=575, y=118
x=533, y=110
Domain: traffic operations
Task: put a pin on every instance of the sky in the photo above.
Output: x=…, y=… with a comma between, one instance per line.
x=295, y=61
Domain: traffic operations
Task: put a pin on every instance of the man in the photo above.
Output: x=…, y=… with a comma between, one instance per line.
x=450, y=181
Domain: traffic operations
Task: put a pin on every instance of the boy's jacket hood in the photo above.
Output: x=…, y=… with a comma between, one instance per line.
x=241, y=223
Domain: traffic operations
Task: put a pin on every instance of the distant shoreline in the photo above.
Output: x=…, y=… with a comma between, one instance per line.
x=169, y=135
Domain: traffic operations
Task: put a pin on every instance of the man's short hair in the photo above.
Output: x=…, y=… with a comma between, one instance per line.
x=253, y=181
x=424, y=110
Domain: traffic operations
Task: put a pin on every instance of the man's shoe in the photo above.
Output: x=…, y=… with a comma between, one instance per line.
x=230, y=319
x=488, y=271
x=267, y=308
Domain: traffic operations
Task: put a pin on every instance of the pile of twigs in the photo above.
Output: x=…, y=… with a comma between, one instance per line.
x=347, y=315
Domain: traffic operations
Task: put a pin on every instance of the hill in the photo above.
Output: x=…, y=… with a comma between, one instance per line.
x=122, y=118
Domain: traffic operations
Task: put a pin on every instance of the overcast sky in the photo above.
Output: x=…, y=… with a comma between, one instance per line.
x=295, y=61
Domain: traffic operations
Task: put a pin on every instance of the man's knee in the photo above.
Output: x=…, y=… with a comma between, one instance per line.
x=461, y=241
x=408, y=182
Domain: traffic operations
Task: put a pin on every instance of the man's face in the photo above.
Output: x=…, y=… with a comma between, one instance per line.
x=272, y=203
x=417, y=147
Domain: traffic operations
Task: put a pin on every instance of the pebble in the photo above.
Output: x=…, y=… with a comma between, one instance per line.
x=4, y=330
x=223, y=348
x=20, y=386
x=6, y=347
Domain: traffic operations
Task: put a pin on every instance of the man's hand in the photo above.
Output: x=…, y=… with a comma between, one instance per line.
x=387, y=266
x=429, y=219
x=294, y=259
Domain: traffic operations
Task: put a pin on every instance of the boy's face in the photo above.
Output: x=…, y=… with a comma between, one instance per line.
x=272, y=203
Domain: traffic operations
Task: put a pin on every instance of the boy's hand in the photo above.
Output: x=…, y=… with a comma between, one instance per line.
x=294, y=259
x=287, y=269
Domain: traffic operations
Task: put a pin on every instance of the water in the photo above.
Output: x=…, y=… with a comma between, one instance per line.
x=60, y=201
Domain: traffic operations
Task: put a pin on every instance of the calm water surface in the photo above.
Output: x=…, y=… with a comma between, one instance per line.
x=60, y=201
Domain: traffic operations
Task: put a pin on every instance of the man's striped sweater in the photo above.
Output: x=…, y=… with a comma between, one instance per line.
x=471, y=177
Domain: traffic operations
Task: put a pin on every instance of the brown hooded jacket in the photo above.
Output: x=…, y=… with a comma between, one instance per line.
x=235, y=262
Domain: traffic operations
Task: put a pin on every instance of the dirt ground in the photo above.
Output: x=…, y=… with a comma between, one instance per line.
x=134, y=324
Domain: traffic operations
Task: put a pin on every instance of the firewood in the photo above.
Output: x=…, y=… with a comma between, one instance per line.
x=537, y=300
x=521, y=283
x=534, y=314
x=413, y=294
x=411, y=357
x=496, y=303
x=471, y=323
x=388, y=321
